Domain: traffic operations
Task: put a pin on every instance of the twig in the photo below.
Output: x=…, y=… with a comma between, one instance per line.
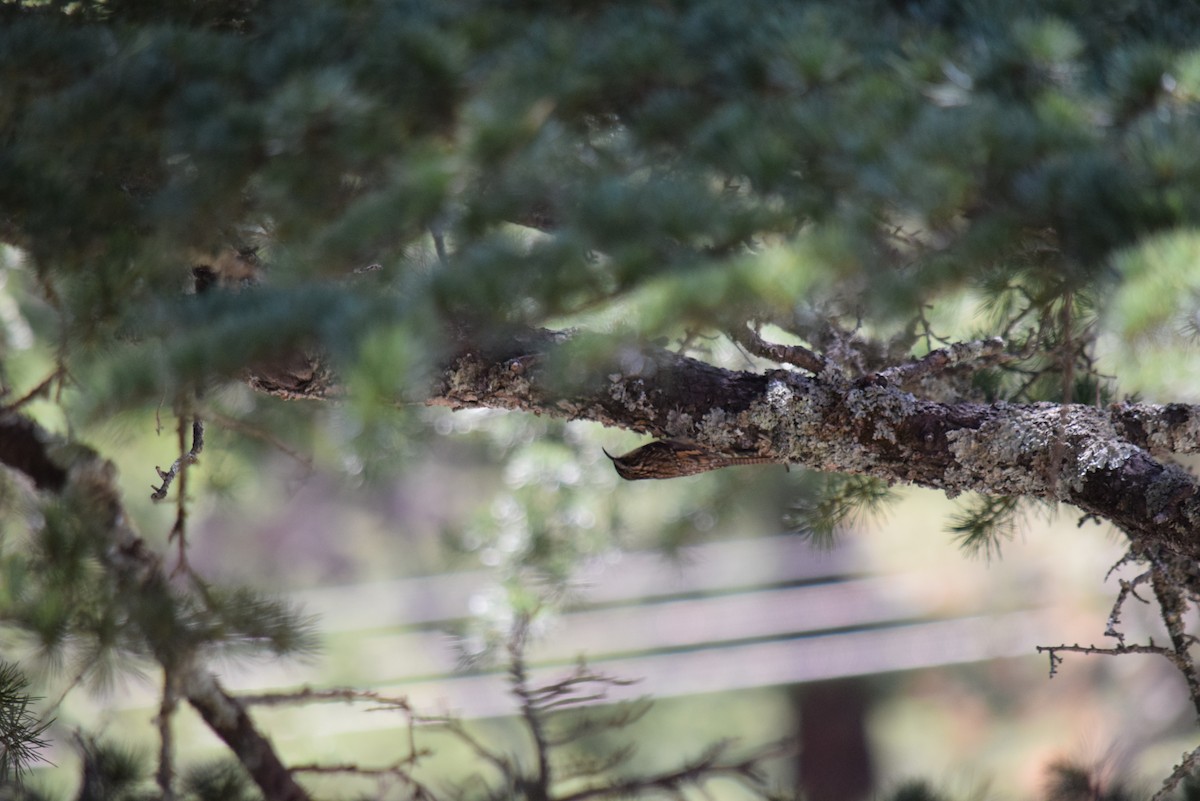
x=978, y=353
x=190, y=457
x=179, y=529
x=233, y=424
x=1055, y=660
x=1129, y=557
x=401, y=769
x=708, y=765
x=529, y=707
x=1186, y=767
x=1114, y=617
x=42, y=389
x=309, y=695
x=626, y=714
x=455, y=727
x=1173, y=607
x=795, y=355
x=166, y=743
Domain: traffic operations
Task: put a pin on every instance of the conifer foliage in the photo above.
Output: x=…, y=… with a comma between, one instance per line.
x=948, y=239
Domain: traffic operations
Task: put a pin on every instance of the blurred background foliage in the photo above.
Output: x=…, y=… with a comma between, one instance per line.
x=917, y=172
x=706, y=164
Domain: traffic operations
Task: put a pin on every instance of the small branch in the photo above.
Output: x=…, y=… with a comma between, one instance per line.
x=179, y=530
x=140, y=580
x=233, y=424
x=41, y=390
x=708, y=765
x=1172, y=606
x=309, y=695
x=166, y=750
x=795, y=355
x=626, y=714
x=229, y=720
x=1056, y=660
x=190, y=457
x=1186, y=767
x=401, y=770
x=566, y=693
x=349, y=767
x=1114, y=618
x=455, y=727
x=976, y=354
x=589, y=766
x=529, y=709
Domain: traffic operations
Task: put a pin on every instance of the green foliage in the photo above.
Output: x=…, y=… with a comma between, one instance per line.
x=674, y=169
x=986, y=521
x=243, y=621
x=727, y=159
x=1160, y=286
x=222, y=780
x=839, y=502
x=21, y=731
x=115, y=772
x=111, y=772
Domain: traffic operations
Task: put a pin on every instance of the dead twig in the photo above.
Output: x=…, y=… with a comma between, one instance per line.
x=1186, y=767
x=795, y=355
x=975, y=354
x=191, y=456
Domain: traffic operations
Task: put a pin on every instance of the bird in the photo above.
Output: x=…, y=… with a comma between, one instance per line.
x=669, y=458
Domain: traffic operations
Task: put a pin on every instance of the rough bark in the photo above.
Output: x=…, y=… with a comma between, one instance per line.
x=1098, y=459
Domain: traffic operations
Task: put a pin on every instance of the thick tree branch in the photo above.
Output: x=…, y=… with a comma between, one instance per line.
x=25, y=448
x=1172, y=428
x=1095, y=458
x=75, y=470
x=867, y=427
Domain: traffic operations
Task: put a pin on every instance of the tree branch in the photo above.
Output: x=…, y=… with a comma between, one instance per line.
x=70, y=468
x=1173, y=427
x=977, y=354
x=1095, y=458
x=795, y=355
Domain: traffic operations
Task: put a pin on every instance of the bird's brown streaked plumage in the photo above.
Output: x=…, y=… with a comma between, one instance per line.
x=668, y=458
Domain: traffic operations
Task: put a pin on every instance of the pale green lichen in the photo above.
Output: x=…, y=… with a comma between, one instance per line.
x=883, y=406
x=786, y=416
x=779, y=396
x=679, y=424
x=1008, y=454
x=719, y=430
x=632, y=396
x=1100, y=453
x=1036, y=450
